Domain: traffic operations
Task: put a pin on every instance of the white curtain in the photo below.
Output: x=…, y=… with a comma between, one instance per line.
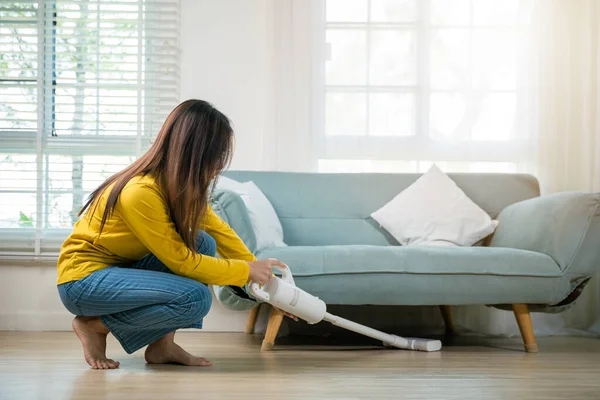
x=288, y=143
x=567, y=34
x=558, y=108
x=567, y=38
x=564, y=68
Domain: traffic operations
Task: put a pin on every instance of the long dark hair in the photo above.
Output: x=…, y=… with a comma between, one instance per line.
x=193, y=146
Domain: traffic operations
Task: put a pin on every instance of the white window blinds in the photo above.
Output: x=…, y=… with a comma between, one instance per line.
x=84, y=87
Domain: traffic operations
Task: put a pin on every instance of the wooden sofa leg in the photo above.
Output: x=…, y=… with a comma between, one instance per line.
x=272, y=329
x=448, y=321
x=252, y=315
x=524, y=320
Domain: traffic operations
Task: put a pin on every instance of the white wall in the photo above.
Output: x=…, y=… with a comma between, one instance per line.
x=225, y=60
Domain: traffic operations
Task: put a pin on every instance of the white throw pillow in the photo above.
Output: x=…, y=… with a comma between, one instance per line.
x=265, y=223
x=434, y=211
x=225, y=183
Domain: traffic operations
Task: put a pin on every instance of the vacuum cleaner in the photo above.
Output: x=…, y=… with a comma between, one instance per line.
x=285, y=295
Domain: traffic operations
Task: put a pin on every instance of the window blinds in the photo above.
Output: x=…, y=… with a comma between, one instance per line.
x=84, y=88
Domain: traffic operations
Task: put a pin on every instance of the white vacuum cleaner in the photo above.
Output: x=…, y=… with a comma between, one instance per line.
x=285, y=295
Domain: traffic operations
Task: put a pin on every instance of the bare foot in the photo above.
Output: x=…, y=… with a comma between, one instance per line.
x=166, y=351
x=92, y=334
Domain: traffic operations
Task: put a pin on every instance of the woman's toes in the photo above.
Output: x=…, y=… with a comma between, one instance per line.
x=198, y=361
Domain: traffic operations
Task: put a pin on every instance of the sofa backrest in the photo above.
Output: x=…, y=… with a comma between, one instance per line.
x=330, y=209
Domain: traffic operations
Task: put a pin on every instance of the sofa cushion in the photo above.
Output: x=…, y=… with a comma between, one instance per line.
x=398, y=275
x=363, y=259
x=554, y=224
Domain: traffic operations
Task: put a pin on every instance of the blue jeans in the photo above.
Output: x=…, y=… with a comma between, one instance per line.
x=142, y=301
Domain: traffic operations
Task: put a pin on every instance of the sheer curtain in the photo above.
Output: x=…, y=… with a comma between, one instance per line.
x=562, y=90
x=567, y=38
x=473, y=85
x=292, y=28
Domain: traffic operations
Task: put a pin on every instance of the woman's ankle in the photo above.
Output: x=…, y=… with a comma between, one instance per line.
x=94, y=323
x=166, y=340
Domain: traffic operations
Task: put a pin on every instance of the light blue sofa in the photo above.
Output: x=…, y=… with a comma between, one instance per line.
x=541, y=256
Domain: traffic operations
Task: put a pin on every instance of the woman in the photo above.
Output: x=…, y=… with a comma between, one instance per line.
x=138, y=262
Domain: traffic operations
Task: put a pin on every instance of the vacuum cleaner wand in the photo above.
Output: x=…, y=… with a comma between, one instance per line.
x=285, y=295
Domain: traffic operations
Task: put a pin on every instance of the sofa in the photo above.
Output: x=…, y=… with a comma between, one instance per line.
x=543, y=252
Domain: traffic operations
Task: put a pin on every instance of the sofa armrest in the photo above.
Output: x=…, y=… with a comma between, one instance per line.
x=230, y=207
x=565, y=226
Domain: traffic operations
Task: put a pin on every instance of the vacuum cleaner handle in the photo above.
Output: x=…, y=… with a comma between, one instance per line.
x=286, y=275
x=259, y=293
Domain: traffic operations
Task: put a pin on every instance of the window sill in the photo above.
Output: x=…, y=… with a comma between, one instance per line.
x=28, y=261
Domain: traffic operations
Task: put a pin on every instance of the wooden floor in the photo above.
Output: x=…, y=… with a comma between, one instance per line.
x=50, y=366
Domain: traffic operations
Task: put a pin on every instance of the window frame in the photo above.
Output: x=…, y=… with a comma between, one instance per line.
x=41, y=242
x=420, y=146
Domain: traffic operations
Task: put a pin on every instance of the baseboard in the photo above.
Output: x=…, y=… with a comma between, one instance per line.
x=61, y=321
x=53, y=321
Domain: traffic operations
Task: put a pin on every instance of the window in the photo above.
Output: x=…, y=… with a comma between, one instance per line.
x=409, y=82
x=84, y=86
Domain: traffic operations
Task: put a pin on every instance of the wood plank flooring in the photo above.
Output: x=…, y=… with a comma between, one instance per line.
x=49, y=365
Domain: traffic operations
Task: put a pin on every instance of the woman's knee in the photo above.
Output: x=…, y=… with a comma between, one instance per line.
x=206, y=244
x=200, y=301
x=70, y=305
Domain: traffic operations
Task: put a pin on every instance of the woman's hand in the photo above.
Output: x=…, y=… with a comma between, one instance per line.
x=261, y=271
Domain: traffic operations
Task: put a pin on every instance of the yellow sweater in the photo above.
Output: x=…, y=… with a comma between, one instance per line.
x=140, y=224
